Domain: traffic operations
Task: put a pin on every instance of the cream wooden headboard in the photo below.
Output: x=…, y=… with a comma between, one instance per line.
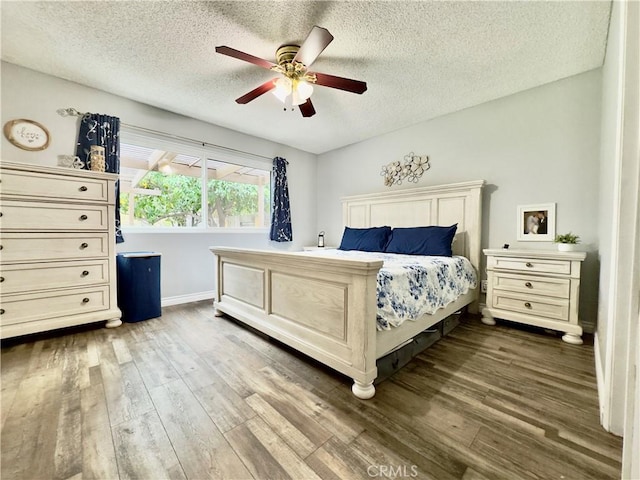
x=442, y=205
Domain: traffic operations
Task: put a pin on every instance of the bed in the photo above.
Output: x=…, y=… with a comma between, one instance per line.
x=326, y=307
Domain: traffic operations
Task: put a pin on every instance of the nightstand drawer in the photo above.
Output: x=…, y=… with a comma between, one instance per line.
x=532, y=265
x=52, y=216
x=530, y=284
x=555, y=308
x=34, y=185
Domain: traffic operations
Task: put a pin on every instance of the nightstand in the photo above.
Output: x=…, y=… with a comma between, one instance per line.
x=533, y=287
x=313, y=247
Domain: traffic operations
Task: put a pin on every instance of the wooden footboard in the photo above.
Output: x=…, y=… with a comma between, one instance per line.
x=325, y=308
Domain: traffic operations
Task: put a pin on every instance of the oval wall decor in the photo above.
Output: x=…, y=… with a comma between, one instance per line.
x=27, y=134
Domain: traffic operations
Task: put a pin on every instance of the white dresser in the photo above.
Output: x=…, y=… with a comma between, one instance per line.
x=535, y=287
x=57, y=248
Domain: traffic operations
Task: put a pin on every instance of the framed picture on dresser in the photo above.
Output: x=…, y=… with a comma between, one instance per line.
x=537, y=222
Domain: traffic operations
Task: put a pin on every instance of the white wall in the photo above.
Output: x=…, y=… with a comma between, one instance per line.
x=538, y=146
x=187, y=264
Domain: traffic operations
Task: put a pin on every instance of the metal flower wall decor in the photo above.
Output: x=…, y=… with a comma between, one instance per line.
x=412, y=169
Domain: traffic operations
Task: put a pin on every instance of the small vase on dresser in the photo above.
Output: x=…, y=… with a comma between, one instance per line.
x=534, y=287
x=567, y=247
x=57, y=252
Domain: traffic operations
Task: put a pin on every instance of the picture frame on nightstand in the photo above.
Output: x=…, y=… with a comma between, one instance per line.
x=536, y=222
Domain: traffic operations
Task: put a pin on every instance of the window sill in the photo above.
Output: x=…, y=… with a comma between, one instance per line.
x=194, y=230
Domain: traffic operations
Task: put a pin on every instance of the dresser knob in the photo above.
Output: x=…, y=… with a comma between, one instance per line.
x=84, y=245
x=527, y=304
x=1, y=279
x=1, y=247
x=1, y=311
x=85, y=300
x=83, y=218
x=83, y=188
x=0, y=214
x=85, y=273
x=528, y=285
x=529, y=264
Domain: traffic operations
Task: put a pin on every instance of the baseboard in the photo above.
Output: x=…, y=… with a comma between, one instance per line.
x=602, y=398
x=192, y=297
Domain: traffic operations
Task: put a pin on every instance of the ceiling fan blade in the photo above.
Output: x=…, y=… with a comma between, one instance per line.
x=307, y=109
x=341, y=83
x=232, y=52
x=314, y=44
x=256, y=92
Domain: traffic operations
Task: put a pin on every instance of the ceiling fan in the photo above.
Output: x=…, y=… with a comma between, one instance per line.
x=294, y=86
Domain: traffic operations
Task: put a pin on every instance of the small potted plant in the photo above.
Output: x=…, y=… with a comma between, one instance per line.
x=567, y=241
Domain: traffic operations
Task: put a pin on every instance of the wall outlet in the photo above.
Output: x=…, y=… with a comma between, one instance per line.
x=483, y=286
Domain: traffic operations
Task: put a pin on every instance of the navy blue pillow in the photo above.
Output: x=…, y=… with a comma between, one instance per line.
x=372, y=239
x=422, y=241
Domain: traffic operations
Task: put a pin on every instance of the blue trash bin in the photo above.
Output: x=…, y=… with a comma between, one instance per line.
x=139, y=285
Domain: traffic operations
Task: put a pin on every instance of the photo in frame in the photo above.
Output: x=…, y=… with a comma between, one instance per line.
x=537, y=222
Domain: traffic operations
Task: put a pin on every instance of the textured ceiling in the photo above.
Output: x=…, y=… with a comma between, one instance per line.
x=420, y=59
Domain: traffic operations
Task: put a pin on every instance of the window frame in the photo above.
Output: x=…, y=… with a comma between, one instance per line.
x=205, y=152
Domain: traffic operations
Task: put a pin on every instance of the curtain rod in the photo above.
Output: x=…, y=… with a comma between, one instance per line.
x=72, y=112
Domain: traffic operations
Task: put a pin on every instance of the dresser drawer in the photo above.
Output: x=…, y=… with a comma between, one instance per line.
x=555, y=308
x=52, y=216
x=36, y=185
x=41, y=276
x=532, y=265
x=29, y=247
x=530, y=284
x=54, y=303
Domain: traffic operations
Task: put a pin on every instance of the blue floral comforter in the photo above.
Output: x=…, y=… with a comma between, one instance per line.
x=410, y=286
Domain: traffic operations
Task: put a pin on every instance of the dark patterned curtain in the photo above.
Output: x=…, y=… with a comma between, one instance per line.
x=104, y=131
x=281, y=211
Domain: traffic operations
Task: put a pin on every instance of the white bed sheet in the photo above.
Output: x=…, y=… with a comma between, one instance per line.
x=410, y=286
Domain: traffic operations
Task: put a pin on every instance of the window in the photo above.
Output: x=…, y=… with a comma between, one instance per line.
x=167, y=184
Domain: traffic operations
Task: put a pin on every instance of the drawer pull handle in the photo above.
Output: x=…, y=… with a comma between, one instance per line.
x=1, y=279
x=529, y=264
x=527, y=304
x=1, y=311
x=528, y=285
x=83, y=218
x=85, y=273
x=0, y=214
x=83, y=188
x=1, y=247
x=85, y=300
x=84, y=245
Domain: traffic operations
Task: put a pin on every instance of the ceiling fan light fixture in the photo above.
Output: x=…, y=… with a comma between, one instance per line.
x=295, y=92
x=301, y=92
x=304, y=90
x=283, y=89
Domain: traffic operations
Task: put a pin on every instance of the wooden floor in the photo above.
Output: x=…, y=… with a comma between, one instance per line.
x=190, y=395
